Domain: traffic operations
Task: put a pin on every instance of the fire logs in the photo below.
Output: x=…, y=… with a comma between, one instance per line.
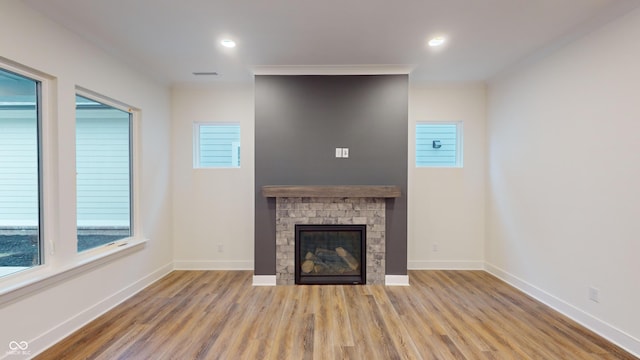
x=307, y=266
x=326, y=261
x=348, y=258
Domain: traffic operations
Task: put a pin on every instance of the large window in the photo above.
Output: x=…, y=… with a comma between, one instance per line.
x=20, y=189
x=104, y=175
x=216, y=145
x=439, y=144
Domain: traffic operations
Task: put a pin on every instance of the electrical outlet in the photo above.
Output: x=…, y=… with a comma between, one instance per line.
x=345, y=152
x=434, y=247
x=220, y=248
x=594, y=294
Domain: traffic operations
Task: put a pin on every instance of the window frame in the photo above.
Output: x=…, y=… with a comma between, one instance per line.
x=45, y=210
x=60, y=260
x=196, y=144
x=135, y=231
x=459, y=144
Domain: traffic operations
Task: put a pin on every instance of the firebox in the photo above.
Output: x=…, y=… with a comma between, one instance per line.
x=330, y=254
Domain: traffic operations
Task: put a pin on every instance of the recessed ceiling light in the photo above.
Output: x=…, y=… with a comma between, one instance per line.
x=436, y=41
x=228, y=43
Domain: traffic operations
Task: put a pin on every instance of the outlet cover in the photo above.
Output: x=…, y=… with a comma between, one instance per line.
x=594, y=294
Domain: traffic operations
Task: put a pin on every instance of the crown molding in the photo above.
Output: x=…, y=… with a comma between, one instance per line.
x=333, y=70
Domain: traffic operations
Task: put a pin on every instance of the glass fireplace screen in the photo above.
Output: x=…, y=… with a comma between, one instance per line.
x=330, y=254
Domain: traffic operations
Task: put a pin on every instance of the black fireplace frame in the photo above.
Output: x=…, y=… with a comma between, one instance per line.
x=302, y=279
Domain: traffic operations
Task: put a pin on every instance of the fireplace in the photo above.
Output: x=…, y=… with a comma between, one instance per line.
x=331, y=205
x=330, y=254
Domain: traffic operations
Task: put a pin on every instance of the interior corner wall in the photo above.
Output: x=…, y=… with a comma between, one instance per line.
x=447, y=205
x=300, y=120
x=564, y=169
x=42, y=316
x=212, y=207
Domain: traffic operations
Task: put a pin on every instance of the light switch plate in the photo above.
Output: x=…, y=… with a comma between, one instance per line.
x=338, y=152
x=345, y=152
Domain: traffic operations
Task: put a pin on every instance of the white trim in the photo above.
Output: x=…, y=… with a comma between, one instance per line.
x=9, y=270
x=38, y=278
x=135, y=155
x=264, y=280
x=196, y=145
x=47, y=171
x=213, y=265
x=396, y=280
x=56, y=334
x=136, y=172
x=445, y=265
x=607, y=331
x=95, y=96
x=391, y=69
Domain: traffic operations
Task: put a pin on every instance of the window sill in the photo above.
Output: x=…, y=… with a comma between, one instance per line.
x=32, y=280
x=440, y=167
x=216, y=167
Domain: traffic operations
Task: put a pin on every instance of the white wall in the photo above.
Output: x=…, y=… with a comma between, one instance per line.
x=214, y=207
x=562, y=177
x=44, y=315
x=564, y=168
x=447, y=205
x=213, y=216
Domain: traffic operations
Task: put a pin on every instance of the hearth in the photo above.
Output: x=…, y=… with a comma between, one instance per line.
x=330, y=254
x=326, y=205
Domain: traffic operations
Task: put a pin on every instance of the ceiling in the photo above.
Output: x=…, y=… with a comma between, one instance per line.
x=171, y=39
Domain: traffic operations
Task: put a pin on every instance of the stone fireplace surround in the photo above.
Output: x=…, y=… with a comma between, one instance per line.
x=313, y=205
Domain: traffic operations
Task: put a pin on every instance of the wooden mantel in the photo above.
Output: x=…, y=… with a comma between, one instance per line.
x=338, y=191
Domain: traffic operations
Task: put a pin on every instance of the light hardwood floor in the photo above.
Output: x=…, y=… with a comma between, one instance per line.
x=442, y=315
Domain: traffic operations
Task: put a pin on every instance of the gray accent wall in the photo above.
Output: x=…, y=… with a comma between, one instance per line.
x=300, y=120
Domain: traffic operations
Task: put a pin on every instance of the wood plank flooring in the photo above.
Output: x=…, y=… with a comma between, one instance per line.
x=442, y=315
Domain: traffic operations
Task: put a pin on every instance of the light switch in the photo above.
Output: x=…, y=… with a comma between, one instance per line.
x=345, y=152
x=338, y=152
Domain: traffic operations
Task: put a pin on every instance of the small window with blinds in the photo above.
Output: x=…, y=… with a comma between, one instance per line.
x=216, y=145
x=104, y=173
x=439, y=144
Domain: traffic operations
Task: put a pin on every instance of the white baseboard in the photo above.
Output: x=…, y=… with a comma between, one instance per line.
x=445, y=265
x=264, y=280
x=396, y=280
x=389, y=280
x=616, y=336
x=66, y=328
x=213, y=265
